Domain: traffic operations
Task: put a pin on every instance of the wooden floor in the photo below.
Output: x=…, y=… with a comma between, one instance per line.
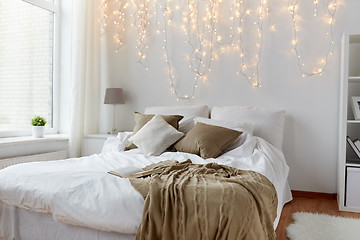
x=306, y=204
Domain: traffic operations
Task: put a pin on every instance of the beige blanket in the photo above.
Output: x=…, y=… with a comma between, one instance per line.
x=192, y=201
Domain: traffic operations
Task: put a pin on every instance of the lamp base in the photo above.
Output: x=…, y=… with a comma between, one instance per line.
x=114, y=131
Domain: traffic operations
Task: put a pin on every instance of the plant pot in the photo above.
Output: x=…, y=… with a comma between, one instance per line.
x=38, y=131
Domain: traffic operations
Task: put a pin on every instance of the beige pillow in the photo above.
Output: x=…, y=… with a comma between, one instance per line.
x=155, y=136
x=207, y=141
x=142, y=119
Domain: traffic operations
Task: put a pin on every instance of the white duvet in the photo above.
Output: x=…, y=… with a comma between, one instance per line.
x=80, y=192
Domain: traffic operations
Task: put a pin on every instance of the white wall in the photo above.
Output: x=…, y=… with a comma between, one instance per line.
x=311, y=131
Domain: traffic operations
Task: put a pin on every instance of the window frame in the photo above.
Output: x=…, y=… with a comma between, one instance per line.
x=55, y=9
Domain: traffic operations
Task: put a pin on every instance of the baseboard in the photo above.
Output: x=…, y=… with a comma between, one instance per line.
x=330, y=196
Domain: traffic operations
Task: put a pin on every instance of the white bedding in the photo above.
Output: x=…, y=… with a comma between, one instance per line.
x=80, y=192
x=21, y=224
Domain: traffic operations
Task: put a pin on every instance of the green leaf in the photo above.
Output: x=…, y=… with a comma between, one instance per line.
x=38, y=121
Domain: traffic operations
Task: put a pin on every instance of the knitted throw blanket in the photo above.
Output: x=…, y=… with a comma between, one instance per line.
x=212, y=201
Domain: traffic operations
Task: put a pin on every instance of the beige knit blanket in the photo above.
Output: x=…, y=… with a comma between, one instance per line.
x=193, y=201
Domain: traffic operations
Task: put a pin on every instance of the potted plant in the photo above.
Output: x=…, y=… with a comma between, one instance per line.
x=38, y=126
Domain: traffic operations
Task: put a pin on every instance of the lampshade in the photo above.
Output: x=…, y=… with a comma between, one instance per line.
x=114, y=96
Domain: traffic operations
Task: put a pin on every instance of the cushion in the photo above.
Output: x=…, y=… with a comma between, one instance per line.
x=111, y=144
x=189, y=113
x=117, y=143
x=246, y=128
x=269, y=124
x=142, y=119
x=207, y=141
x=155, y=136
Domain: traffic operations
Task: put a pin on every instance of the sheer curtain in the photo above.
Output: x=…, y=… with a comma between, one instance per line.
x=85, y=72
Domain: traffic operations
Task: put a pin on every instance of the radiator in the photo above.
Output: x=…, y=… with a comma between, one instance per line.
x=33, y=158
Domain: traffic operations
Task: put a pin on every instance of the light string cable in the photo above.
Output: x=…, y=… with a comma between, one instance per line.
x=142, y=23
x=268, y=13
x=316, y=2
x=200, y=25
x=170, y=70
x=201, y=57
x=191, y=25
x=256, y=82
x=331, y=10
x=252, y=78
x=272, y=26
x=116, y=17
x=237, y=18
x=234, y=13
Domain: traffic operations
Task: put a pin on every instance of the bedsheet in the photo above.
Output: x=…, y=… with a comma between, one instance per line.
x=80, y=192
x=18, y=223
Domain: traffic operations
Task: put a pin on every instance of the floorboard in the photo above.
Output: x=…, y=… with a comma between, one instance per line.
x=307, y=204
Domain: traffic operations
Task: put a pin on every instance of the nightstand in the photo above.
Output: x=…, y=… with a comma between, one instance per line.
x=93, y=143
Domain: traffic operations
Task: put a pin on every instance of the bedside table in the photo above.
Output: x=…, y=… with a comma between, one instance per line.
x=93, y=143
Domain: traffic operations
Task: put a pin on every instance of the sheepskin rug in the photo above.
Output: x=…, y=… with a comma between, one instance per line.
x=313, y=226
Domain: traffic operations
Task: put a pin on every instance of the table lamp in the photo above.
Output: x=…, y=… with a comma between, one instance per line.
x=114, y=96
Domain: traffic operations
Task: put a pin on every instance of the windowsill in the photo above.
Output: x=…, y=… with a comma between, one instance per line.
x=31, y=139
x=27, y=145
x=99, y=135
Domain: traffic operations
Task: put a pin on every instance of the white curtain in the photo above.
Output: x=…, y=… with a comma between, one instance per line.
x=85, y=72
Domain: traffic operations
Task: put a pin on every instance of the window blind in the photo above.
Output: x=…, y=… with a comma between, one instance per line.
x=26, y=64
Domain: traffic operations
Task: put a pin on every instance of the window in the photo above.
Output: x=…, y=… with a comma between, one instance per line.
x=26, y=63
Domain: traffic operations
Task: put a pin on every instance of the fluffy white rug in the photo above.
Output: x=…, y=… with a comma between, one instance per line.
x=312, y=226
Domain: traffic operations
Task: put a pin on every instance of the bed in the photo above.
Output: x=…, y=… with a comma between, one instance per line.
x=77, y=198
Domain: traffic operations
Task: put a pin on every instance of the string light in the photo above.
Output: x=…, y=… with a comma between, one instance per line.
x=210, y=28
x=114, y=13
x=142, y=21
x=170, y=71
x=200, y=24
x=251, y=71
x=293, y=7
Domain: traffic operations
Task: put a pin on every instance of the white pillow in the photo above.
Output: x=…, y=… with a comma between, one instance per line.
x=238, y=126
x=117, y=143
x=188, y=112
x=187, y=124
x=155, y=136
x=111, y=144
x=269, y=124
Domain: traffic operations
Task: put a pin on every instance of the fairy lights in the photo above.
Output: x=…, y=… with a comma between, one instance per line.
x=245, y=69
x=293, y=7
x=170, y=70
x=210, y=29
x=114, y=12
x=142, y=22
x=201, y=50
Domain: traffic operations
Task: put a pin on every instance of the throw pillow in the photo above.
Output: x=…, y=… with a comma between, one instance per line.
x=156, y=136
x=142, y=119
x=207, y=141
